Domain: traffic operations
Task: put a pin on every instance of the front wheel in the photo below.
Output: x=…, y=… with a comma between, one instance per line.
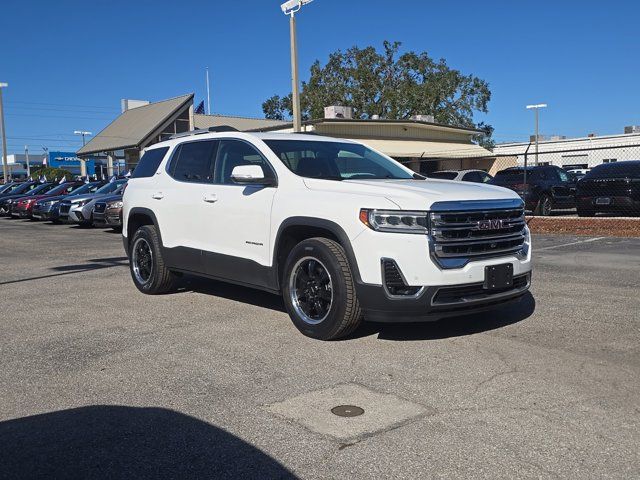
x=148, y=270
x=545, y=205
x=319, y=290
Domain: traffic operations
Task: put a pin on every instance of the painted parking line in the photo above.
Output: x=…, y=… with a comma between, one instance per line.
x=588, y=240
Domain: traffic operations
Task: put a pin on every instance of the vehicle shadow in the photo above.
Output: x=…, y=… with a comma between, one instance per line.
x=106, y=441
x=446, y=328
x=229, y=291
x=451, y=327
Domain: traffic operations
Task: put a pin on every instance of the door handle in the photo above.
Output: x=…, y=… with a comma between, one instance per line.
x=212, y=198
x=157, y=196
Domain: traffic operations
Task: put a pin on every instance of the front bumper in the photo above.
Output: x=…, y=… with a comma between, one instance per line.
x=108, y=218
x=428, y=306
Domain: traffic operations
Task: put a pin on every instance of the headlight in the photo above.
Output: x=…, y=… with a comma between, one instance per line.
x=81, y=203
x=397, y=221
x=115, y=205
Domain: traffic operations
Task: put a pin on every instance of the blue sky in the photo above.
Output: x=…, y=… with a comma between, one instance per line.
x=68, y=63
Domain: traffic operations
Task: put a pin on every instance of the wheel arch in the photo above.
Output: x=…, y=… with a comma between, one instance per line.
x=138, y=217
x=295, y=229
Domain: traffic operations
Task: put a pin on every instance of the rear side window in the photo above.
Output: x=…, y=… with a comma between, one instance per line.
x=149, y=163
x=194, y=162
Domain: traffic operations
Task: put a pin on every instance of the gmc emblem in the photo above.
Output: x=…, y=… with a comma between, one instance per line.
x=494, y=224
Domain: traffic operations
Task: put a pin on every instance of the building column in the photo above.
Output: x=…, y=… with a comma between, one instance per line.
x=110, y=164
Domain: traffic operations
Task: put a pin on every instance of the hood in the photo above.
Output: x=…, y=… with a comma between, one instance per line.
x=415, y=194
x=111, y=198
x=84, y=196
x=47, y=198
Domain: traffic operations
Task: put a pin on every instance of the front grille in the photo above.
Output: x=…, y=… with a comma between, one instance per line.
x=476, y=291
x=460, y=236
x=65, y=207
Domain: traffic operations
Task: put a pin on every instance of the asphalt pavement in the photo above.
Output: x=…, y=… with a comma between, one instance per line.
x=213, y=381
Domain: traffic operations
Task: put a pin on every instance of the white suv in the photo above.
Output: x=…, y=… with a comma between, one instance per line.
x=343, y=232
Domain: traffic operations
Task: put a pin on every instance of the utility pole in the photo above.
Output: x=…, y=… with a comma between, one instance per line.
x=208, y=95
x=291, y=8
x=5, y=165
x=297, y=122
x=536, y=108
x=26, y=155
x=83, y=133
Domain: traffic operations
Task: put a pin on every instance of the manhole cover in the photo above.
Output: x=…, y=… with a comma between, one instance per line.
x=347, y=411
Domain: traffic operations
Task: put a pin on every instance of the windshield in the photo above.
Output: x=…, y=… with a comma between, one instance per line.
x=615, y=170
x=335, y=160
x=110, y=187
x=64, y=189
x=442, y=175
x=86, y=188
x=44, y=187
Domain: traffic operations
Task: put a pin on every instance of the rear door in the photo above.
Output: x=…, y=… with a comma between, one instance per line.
x=187, y=196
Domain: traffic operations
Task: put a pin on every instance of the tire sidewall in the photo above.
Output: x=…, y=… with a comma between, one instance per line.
x=150, y=286
x=327, y=328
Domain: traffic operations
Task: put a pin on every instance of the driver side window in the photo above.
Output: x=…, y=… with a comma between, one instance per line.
x=233, y=153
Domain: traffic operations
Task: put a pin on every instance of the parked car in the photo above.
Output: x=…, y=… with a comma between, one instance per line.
x=79, y=208
x=475, y=176
x=48, y=208
x=23, y=206
x=7, y=202
x=545, y=188
x=8, y=186
x=610, y=187
x=108, y=212
x=579, y=171
x=341, y=231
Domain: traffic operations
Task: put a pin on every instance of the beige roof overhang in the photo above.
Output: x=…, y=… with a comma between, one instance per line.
x=135, y=126
x=425, y=149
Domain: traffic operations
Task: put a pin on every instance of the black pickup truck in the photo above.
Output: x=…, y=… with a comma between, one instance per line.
x=543, y=188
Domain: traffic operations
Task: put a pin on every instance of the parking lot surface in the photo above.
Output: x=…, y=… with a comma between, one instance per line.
x=213, y=381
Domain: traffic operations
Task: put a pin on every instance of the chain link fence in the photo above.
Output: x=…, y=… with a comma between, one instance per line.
x=603, y=181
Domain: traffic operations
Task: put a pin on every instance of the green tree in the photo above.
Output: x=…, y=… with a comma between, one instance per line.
x=391, y=85
x=51, y=173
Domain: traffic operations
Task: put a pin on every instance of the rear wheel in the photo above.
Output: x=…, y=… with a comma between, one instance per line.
x=545, y=205
x=319, y=290
x=148, y=270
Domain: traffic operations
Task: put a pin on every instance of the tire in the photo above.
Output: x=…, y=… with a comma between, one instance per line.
x=545, y=205
x=152, y=277
x=321, y=308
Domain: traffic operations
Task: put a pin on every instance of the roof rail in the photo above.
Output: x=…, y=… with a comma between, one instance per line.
x=223, y=128
x=199, y=131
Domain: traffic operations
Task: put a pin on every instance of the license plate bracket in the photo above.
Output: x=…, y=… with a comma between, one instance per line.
x=603, y=201
x=498, y=276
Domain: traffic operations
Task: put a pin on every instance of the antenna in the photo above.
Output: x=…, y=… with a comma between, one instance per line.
x=208, y=94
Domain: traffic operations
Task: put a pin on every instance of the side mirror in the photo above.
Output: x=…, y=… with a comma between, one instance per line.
x=249, y=174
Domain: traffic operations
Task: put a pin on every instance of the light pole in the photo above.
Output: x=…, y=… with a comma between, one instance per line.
x=291, y=8
x=5, y=165
x=83, y=133
x=536, y=108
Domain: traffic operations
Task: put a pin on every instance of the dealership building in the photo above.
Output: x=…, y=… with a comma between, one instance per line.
x=420, y=143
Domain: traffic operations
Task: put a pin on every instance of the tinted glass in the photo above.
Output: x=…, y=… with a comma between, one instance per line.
x=472, y=177
x=42, y=188
x=193, y=162
x=624, y=169
x=442, y=175
x=148, y=164
x=110, y=187
x=335, y=160
x=64, y=189
x=234, y=153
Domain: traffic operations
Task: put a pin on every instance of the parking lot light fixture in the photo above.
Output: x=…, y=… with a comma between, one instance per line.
x=83, y=133
x=536, y=107
x=291, y=8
